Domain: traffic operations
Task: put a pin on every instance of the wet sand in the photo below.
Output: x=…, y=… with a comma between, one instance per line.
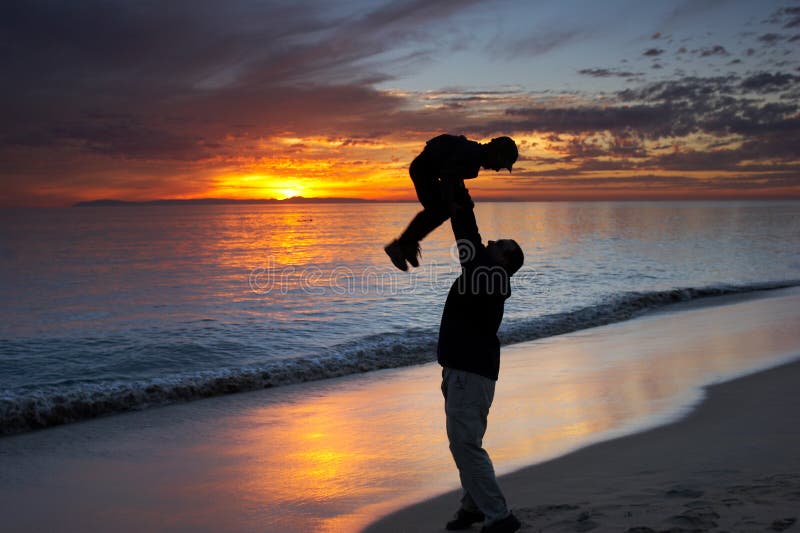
x=338, y=454
x=731, y=465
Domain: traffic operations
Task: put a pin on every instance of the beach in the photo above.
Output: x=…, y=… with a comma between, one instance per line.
x=337, y=455
x=242, y=244
x=731, y=465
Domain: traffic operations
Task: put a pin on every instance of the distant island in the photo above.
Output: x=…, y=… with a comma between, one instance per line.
x=220, y=201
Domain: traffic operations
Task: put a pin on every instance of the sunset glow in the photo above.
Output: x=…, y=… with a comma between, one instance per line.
x=664, y=106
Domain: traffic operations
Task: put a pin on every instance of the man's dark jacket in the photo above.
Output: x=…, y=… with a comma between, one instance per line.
x=474, y=307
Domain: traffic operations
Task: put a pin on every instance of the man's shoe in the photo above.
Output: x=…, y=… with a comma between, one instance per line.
x=397, y=254
x=463, y=519
x=508, y=524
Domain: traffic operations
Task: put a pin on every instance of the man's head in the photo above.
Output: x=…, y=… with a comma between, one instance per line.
x=500, y=152
x=507, y=254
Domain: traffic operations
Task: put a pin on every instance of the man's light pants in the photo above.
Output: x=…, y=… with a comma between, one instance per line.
x=467, y=399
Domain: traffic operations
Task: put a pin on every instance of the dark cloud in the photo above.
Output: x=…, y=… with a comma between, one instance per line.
x=771, y=38
x=689, y=89
x=698, y=160
x=755, y=133
x=138, y=80
x=588, y=175
x=197, y=44
x=533, y=45
x=764, y=82
x=357, y=142
x=621, y=144
x=608, y=73
x=716, y=50
x=184, y=85
x=654, y=120
x=125, y=138
x=170, y=131
x=715, y=105
x=788, y=17
x=689, y=10
x=630, y=182
x=760, y=182
x=659, y=185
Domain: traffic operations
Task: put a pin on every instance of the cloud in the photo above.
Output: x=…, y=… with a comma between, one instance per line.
x=788, y=17
x=654, y=120
x=764, y=82
x=770, y=38
x=132, y=80
x=659, y=184
x=687, y=89
x=602, y=182
x=690, y=10
x=710, y=124
x=534, y=45
x=608, y=73
x=718, y=107
x=129, y=93
x=716, y=50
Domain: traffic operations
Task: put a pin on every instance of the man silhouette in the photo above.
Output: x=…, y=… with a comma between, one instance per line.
x=469, y=353
x=468, y=348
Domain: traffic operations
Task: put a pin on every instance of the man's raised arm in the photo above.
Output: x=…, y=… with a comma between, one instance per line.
x=462, y=220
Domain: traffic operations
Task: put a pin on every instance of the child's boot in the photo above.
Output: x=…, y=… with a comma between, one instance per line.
x=397, y=254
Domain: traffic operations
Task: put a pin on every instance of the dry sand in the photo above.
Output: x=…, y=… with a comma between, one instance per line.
x=732, y=465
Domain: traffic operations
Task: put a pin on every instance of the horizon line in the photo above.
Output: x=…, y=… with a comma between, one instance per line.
x=111, y=202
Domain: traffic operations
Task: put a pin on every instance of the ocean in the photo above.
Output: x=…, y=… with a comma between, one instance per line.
x=112, y=309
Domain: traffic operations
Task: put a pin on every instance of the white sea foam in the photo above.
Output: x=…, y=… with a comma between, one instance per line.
x=64, y=403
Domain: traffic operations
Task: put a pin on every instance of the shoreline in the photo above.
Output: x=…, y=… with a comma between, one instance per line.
x=21, y=414
x=334, y=455
x=731, y=463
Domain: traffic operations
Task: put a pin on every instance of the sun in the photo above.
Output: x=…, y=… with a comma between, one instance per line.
x=288, y=193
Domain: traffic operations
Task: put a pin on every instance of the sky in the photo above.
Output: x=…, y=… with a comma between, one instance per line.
x=621, y=99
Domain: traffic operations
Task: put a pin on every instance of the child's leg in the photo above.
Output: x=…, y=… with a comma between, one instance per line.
x=422, y=224
x=434, y=212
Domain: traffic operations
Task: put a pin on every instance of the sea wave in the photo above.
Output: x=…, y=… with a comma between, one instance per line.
x=51, y=406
